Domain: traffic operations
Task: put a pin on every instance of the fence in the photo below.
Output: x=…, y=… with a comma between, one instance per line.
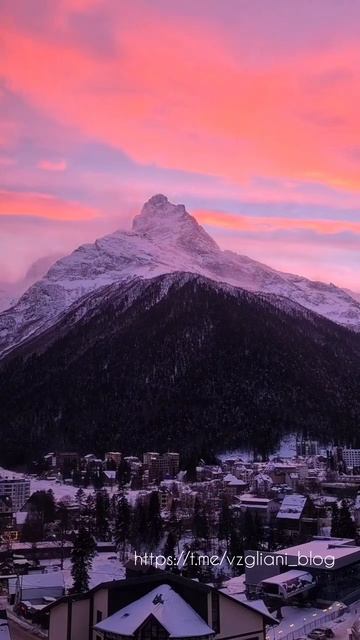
x=333, y=612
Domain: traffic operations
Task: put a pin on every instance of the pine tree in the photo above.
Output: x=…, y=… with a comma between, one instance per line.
x=200, y=524
x=250, y=535
x=236, y=548
x=122, y=524
x=155, y=524
x=169, y=551
x=82, y=556
x=335, y=521
x=63, y=523
x=42, y=504
x=138, y=525
x=123, y=473
x=80, y=499
x=224, y=521
x=33, y=529
x=102, y=512
x=346, y=525
x=89, y=513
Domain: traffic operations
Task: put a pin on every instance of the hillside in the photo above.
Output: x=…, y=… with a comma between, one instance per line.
x=181, y=362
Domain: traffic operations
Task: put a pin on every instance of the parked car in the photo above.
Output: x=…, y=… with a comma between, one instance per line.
x=317, y=634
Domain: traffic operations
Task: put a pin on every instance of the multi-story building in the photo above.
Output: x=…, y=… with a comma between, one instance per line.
x=351, y=457
x=306, y=447
x=17, y=489
x=161, y=466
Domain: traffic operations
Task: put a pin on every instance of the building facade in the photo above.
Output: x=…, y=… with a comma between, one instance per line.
x=17, y=489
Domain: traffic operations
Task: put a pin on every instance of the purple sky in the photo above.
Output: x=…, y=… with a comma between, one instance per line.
x=244, y=110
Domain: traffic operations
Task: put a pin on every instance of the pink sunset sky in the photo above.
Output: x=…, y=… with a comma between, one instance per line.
x=247, y=111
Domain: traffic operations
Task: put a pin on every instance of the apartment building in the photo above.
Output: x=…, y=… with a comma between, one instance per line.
x=17, y=489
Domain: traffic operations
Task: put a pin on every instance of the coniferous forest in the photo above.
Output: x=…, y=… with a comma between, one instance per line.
x=200, y=369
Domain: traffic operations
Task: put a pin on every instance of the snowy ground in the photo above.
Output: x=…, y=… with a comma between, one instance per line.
x=106, y=567
x=61, y=491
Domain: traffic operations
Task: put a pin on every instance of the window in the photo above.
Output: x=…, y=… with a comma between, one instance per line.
x=152, y=630
x=98, y=616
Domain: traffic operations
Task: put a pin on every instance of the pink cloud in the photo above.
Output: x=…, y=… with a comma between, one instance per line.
x=181, y=82
x=43, y=205
x=51, y=165
x=269, y=224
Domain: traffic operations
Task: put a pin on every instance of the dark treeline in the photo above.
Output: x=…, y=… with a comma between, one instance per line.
x=199, y=370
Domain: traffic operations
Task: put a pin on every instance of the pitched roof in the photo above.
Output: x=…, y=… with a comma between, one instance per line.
x=292, y=507
x=164, y=604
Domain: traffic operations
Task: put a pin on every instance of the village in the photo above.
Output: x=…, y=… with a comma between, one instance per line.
x=241, y=548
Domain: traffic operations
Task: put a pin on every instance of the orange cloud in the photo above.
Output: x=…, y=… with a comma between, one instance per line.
x=50, y=165
x=44, y=206
x=175, y=94
x=261, y=223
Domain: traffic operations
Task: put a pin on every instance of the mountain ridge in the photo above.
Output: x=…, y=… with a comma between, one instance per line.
x=165, y=238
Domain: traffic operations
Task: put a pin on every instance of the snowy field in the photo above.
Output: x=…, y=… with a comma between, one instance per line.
x=106, y=567
x=61, y=491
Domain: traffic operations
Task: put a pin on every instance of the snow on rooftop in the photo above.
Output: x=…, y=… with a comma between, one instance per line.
x=235, y=585
x=4, y=630
x=40, y=580
x=337, y=548
x=283, y=578
x=247, y=497
x=292, y=507
x=169, y=609
x=232, y=480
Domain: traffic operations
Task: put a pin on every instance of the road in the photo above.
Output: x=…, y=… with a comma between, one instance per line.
x=18, y=632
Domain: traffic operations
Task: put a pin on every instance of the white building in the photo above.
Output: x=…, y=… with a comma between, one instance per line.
x=18, y=489
x=351, y=457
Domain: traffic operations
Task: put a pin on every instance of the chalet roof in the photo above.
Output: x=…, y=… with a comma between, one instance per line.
x=233, y=481
x=164, y=604
x=159, y=577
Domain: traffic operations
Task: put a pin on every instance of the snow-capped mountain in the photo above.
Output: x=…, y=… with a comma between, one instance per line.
x=164, y=239
x=10, y=292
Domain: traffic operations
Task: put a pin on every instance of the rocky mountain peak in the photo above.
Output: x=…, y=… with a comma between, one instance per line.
x=162, y=220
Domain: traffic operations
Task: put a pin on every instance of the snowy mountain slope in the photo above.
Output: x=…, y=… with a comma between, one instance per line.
x=6, y=297
x=164, y=239
x=353, y=294
x=10, y=292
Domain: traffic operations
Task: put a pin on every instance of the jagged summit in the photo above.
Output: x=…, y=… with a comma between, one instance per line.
x=158, y=212
x=161, y=219
x=165, y=238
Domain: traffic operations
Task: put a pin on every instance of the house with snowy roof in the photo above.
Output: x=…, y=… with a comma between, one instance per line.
x=265, y=509
x=296, y=514
x=155, y=607
x=234, y=486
